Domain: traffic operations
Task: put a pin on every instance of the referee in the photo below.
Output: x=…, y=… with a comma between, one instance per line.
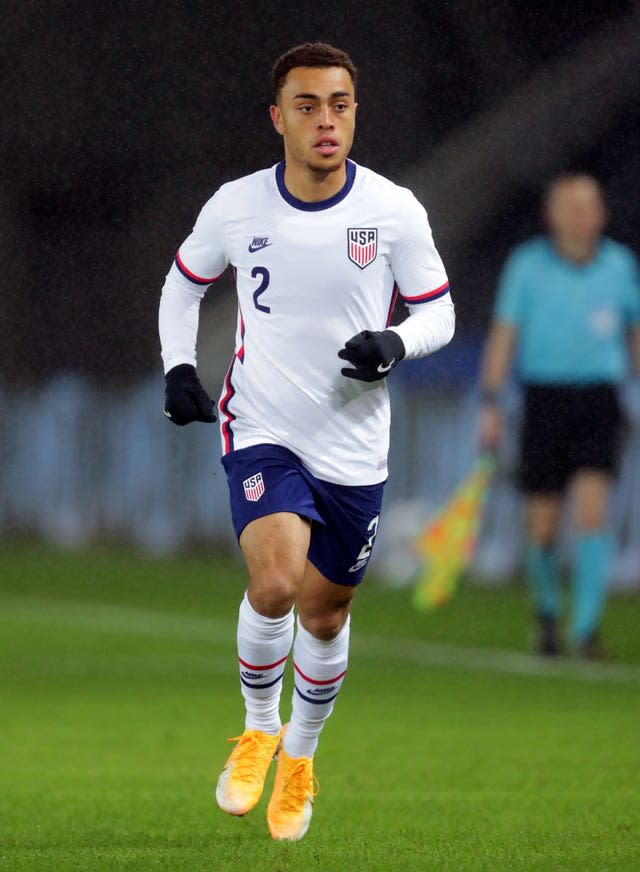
x=568, y=310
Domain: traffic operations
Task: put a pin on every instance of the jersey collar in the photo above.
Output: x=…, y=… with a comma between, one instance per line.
x=318, y=205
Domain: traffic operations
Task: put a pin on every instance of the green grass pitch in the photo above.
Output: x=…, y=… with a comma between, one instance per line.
x=450, y=747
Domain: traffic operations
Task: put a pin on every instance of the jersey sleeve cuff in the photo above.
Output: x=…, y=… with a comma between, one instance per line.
x=172, y=359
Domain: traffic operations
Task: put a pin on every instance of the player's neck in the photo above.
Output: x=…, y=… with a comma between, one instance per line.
x=576, y=251
x=312, y=186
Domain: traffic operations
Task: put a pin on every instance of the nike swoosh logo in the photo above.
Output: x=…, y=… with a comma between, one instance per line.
x=253, y=248
x=168, y=414
x=382, y=368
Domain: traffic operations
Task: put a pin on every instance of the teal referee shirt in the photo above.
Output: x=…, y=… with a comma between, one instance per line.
x=572, y=320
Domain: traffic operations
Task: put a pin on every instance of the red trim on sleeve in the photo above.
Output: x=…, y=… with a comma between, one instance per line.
x=186, y=272
x=430, y=295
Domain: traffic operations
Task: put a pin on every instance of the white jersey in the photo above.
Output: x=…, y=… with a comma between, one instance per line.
x=309, y=276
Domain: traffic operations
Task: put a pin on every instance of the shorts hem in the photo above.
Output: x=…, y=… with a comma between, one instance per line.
x=314, y=562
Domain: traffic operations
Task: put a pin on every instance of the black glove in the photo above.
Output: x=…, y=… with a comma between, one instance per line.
x=185, y=399
x=374, y=354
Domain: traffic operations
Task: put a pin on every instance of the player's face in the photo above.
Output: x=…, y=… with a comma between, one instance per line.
x=576, y=212
x=316, y=115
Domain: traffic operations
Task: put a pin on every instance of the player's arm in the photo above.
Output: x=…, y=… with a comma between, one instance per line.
x=424, y=288
x=430, y=325
x=199, y=261
x=634, y=344
x=496, y=364
x=631, y=290
x=496, y=359
x=373, y=354
x=509, y=312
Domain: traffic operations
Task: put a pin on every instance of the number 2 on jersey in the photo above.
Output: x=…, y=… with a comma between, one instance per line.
x=263, y=273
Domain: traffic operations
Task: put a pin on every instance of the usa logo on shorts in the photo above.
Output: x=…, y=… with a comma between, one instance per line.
x=253, y=487
x=362, y=245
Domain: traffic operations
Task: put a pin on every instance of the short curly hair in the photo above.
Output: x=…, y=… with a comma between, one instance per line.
x=310, y=54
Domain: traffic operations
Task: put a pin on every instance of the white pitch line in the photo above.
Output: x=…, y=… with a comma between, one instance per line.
x=423, y=653
x=129, y=620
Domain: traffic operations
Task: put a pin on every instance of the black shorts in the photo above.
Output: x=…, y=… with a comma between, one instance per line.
x=566, y=429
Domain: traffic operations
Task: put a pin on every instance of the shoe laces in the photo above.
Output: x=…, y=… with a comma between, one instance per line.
x=250, y=752
x=298, y=783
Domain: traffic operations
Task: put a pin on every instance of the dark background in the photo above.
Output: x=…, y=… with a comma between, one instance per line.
x=120, y=120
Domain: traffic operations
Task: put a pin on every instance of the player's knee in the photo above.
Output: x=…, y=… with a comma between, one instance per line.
x=273, y=594
x=543, y=537
x=590, y=523
x=325, y=625
x=542, y=532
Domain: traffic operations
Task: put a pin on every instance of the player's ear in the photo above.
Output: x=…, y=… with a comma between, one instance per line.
x=276, y=118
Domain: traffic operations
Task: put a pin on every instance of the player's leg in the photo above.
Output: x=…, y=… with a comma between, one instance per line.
x=339, y=553
x=320, y=657
x=595, y=452
x=593, y=550
x=541, y=567
x=543, y=476
x=270, y=502
x=274, y=548
x=275, y=552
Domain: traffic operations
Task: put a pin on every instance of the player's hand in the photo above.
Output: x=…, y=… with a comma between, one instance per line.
x=373, y=354
x=490, y=427
x=185, y=399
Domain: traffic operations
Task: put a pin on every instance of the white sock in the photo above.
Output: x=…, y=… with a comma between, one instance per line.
x=319, y=670
x=263, y=648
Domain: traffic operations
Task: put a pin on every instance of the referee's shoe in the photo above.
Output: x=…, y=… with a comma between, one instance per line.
x=548, y=642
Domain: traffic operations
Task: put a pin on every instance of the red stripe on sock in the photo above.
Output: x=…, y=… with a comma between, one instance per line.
x=268, y=666
x=313, y=680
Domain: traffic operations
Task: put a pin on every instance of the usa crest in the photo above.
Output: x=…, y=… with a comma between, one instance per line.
x=253, y=487
x=362, y=245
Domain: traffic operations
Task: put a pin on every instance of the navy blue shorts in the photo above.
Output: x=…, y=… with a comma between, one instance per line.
x=265, y=479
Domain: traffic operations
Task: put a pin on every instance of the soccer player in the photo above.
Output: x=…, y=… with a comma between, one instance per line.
x=320, y=247
x=569, y=303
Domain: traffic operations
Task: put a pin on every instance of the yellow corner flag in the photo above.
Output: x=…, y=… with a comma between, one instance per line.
x=447, y=543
